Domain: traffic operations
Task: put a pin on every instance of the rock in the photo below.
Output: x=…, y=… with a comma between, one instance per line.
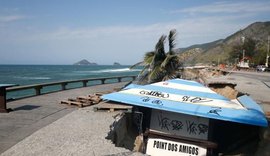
x=84, y=62
x=116, y=64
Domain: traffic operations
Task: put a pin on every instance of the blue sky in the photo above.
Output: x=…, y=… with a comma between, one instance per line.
x=107, y=31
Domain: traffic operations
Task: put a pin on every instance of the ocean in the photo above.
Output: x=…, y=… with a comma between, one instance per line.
x=35, y=74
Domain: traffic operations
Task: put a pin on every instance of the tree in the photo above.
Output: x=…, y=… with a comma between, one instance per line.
x=158, y=64
x=248, y=47
x=260, y=55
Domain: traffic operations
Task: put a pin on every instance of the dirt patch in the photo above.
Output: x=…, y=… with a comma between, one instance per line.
x=225, y=89
x=201, y=75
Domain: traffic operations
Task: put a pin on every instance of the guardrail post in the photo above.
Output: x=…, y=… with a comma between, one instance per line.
x=133, y=77
x=84, y=83
x=119, y=79
x=3, y=107
x=102, y=81
x=63, y=85
x=38, y=90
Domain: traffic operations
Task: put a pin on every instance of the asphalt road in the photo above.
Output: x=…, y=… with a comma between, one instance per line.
x=261, y=76
x=255, y=84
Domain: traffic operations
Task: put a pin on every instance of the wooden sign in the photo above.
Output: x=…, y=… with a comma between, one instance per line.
x=179, y=124
x=161, y=147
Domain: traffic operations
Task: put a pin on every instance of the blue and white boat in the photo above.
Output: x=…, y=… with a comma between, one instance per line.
x=191, y=98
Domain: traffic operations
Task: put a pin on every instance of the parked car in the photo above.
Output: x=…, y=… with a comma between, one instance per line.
x=262, y=68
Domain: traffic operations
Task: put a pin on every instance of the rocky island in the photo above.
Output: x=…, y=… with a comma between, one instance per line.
x=116, y=64
x=85, y=62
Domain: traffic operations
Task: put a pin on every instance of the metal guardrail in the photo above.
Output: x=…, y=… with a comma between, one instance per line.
x=63, y=84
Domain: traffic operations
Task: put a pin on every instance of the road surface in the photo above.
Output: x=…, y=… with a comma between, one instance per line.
x=255, y=84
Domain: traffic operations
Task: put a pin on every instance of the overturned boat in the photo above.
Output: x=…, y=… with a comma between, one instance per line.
x=186, y=118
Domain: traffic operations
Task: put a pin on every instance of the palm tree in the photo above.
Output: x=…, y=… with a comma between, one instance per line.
x=158, y=64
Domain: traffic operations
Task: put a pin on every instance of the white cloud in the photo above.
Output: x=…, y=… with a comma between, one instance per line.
x=226, y=7
x=127, y=42
x=68, y=33
x=11, y=18
x=191, y=31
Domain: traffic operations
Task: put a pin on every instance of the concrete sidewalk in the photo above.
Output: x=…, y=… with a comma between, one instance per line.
x=81, y=133
x=31, y=114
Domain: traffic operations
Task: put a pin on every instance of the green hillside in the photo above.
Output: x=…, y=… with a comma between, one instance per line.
x=222, y=50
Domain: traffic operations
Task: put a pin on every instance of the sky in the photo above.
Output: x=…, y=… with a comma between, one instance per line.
x=108, y=31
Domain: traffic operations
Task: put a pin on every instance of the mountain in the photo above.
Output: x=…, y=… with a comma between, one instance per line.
x=219, y=50
x=84, y=62
x=205, y=46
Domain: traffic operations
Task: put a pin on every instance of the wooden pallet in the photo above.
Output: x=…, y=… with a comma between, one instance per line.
x=102, y=93
x=112, y=106
x=79, y=104
x=93, y=99
x=84, y=102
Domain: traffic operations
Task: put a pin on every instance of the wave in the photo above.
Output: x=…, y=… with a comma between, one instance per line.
x=32, y=78
x=118, y=70
x=111, y=70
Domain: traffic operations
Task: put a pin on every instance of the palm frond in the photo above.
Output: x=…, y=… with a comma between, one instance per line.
x=170, y=76
x=143, y=79
x=171, y=61
x=145, y=69
x=171, y=67
x=160, y=54
x=137, y=64
x=171, y=38
x=143, y=76
x=148, y=57
x=155, y=75
x=160, y=51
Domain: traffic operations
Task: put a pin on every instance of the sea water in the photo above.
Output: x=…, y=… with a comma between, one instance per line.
x=35, y=74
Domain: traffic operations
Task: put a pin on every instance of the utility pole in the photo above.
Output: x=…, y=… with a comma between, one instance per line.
x=243, y=40
x=267, y=53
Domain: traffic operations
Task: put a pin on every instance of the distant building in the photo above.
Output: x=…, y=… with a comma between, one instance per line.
x=244, y=63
